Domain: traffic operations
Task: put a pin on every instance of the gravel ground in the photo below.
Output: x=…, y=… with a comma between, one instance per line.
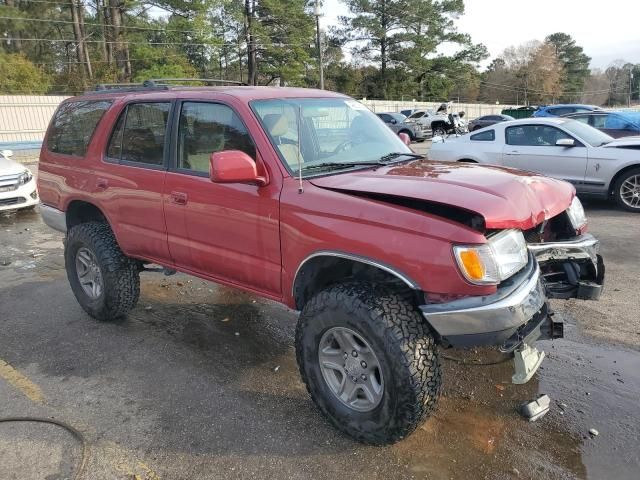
x=201, y=382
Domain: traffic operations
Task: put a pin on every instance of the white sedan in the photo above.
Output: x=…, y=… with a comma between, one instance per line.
x=17, y=186
x=595, y=163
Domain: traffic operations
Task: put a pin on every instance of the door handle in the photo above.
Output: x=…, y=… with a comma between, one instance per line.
x=514, y=152
x=102, y=183
x=179, y=198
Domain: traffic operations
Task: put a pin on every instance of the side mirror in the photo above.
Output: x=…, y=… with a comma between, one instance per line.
x=6, y=153
x=393, y=121
x=566, y=142
x=406, y=139
x=234, y=166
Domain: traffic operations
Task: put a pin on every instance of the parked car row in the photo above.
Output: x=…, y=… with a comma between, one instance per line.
x=399, y=124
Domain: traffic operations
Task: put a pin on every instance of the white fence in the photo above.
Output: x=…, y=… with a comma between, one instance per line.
x=25, y=117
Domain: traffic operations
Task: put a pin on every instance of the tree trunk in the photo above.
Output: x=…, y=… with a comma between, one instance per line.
x=252, y=74
x=120, y=47
x=79, y=41
x=83, y=33
x=102, y=20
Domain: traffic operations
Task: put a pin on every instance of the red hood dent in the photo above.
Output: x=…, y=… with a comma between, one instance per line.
x=505, y=197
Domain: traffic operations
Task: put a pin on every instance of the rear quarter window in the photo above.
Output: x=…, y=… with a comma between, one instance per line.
x=73, y=125
x=488, y=136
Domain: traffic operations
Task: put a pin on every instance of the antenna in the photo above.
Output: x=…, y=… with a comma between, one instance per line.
x=298, y=121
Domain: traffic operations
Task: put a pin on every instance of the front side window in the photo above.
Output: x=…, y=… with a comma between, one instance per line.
x=139, y=135
x=206, y=128
x=534, y=135
x=487, y=136
x=73, y=125
x=332, y=131
x=418, y=115
x=598, y=121
x=581, y=118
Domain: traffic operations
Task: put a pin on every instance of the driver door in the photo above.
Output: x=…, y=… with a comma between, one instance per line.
x=226, y=232
x=533, y=148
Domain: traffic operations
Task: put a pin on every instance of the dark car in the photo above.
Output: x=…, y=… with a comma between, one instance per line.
x=488, y=120
x=615, y=124
x=398, y=123
x=563, y=109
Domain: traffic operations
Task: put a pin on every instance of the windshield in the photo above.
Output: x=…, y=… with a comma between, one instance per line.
x=592, y=136
x=333, y=131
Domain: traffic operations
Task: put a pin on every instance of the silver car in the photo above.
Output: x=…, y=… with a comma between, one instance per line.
x=399, y=124
x=595, y=163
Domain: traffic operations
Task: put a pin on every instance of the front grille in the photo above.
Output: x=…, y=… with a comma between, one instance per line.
x=5, y=202
x=9, y=183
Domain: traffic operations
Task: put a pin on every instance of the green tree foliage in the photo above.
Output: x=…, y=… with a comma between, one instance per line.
x=575, y=65
x=19, y=75
x=405, y=35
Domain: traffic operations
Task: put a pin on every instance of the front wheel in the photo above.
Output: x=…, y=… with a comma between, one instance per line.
x=627, y=190
x=369, y=361
x=105, y=282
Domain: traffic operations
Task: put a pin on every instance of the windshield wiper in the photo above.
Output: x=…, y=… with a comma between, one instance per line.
x=384, y=160
x=392, y=155
x=338, y=165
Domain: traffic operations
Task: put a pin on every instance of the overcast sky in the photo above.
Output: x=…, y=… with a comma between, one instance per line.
x=607, y=30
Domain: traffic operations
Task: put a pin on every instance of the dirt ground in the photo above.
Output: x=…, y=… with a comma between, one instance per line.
x=200, y=382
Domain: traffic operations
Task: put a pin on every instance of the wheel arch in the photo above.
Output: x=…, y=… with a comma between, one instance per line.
x=324, y=268
x=619, y=174
x=82, y=211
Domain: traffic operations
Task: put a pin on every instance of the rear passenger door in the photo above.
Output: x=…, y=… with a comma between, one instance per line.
x=131, y=181
x=225, y=232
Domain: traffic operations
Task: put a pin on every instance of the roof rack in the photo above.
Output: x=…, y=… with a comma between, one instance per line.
x=128, y=87
x=157, y=84
x=160, y=81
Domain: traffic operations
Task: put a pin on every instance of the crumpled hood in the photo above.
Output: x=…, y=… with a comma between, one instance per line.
x=10, y=167
x=506, y=198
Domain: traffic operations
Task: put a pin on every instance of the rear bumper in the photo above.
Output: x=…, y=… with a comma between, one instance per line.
x=54, y=218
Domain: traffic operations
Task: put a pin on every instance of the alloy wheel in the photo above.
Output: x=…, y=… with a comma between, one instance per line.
x=351, y=369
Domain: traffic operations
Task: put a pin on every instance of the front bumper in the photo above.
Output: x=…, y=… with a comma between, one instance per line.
x=490, y=319
x=23, y=196
x=518, y=311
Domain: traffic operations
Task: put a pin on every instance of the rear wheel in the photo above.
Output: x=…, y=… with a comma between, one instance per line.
x=438, y=130
x=105, y=282
x=369, y=361
x=626, y=190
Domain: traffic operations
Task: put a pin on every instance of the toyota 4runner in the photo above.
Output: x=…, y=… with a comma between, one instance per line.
x=305, y=197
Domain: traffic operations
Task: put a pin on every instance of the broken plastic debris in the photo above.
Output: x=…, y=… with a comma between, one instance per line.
x=276, y=368
x=535, y=409
x=593, y=432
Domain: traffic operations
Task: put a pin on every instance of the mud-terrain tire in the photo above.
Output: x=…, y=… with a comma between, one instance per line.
x=403, y=346
x=120, y=276
x=630, y=203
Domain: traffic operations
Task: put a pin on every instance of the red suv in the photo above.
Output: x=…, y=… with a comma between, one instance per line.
x=305, y=197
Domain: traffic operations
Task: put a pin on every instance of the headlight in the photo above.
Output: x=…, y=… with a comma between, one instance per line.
x=503, y=255
x=25, y=177
x=576, y=214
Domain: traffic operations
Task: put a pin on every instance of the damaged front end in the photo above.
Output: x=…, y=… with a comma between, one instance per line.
x=563, y=263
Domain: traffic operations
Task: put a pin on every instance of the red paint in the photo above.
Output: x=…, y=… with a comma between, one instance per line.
x=234, y=166
x=254, y=233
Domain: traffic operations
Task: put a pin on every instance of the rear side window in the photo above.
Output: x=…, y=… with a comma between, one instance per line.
x=561, y=110
x=488, y=136
x=73, y=125
x=139, y=135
